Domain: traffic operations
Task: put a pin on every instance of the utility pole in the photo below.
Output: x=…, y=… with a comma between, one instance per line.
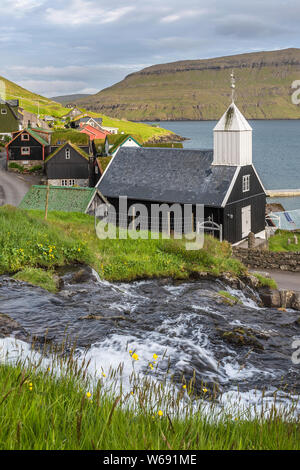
x=47, y=201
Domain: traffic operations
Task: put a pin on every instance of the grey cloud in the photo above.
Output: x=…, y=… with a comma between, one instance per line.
x=65, y=47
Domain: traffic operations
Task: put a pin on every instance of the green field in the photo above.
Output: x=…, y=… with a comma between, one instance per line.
x=200, y=89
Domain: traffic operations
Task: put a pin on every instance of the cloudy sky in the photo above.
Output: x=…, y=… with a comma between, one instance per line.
x=82, y=46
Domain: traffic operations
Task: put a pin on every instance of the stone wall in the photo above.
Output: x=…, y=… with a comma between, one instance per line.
x=263, y=259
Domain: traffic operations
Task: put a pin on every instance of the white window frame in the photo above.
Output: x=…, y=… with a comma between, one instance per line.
x=68, y=182
x=3, y=111
x=25, y=137
x=68, y=153
x=246, y=183
x=25, y=151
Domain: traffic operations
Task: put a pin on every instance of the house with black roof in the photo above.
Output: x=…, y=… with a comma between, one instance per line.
x=70, y=165
x=223, y=179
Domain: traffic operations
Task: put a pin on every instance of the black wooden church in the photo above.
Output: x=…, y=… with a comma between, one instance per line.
x=224, y=179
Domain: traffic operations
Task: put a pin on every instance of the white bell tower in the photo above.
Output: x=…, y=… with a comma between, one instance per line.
x=233, y=137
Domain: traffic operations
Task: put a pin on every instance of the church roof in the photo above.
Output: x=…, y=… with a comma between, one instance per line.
x=233, y=120
x=167, y=175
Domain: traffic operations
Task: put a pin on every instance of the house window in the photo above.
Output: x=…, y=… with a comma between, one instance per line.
x=246, y=183
x=3, y=111
x=25, y=150
x=25, y=137
x=68, y=154
x=68, y=182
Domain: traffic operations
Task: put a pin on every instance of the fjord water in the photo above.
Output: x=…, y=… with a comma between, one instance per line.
x=185, y=324
x=276, y=150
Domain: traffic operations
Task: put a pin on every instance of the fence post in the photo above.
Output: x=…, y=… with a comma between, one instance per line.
x=47, y=201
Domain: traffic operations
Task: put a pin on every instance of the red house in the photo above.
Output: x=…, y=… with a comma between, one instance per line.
x=94, y=133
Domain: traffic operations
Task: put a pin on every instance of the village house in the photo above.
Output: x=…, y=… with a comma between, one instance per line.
x=110, y=129
x=9, y=118
x=83, y=119
x=93, y=133
x=116, y=142
x=72, y=113
x=66, y=199
x=223, y=180
x=70, y=165
x=28, y=147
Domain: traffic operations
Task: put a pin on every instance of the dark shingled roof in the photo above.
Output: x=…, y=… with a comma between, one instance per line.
x=167, y=175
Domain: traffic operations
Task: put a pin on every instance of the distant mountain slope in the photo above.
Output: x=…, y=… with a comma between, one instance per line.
x=69, y=99
x=31, y=101
x=200, y=89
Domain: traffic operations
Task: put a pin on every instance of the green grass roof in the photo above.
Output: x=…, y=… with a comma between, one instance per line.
x=61, y=198
x=37, y=136
x=75, y=147
x=69, y=135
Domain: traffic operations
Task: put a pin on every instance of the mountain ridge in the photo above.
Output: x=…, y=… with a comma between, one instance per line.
x=200, y=89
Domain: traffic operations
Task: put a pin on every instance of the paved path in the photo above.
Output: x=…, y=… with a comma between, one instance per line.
x=12, y=187
x=285, y=280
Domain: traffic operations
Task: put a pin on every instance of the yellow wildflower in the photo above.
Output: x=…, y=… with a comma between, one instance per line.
x=155, y=357
x=204, y=390
x=160, y=413
x=135, y=357
x=184, y=386
x=88, y=395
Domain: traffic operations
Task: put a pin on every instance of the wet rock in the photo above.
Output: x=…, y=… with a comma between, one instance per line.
x=270, y=297
x=280, y=299
x=43, y=339
x=85, y=274
x=100, y=317
x=243, y=337
x=296, y=301
x=8, y=326
x=198, y=275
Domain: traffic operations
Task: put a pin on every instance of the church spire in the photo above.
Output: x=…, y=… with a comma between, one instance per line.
x=232, y=136
x=232, y=86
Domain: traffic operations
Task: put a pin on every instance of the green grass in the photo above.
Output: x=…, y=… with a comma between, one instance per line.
x=231, y=299
x=26, y=240
x=38, y=277
x=29, y=242
x=279, y=242
x=266, y=281
x=42, y=411
x=65, y=135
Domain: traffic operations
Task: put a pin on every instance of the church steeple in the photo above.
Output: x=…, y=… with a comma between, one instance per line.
x=233, y=136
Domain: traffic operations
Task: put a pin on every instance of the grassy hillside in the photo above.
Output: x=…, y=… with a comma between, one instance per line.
x=200, y=89
x=29, y=101
x=38, y=104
